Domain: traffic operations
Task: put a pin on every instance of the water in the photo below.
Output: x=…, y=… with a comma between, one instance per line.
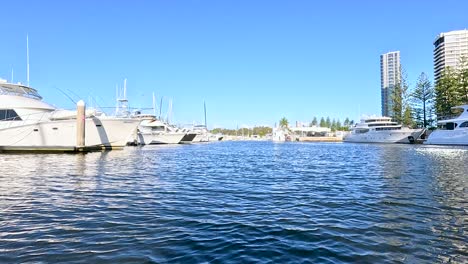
x=237, y=202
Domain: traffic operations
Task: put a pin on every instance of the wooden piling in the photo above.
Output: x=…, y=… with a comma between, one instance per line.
x=80, y=125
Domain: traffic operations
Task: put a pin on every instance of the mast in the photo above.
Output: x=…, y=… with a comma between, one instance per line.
x=11, y=75
x=125, y=89
x=204, y=106
x=160, y=108
x=154, y=105
x=169, y=112
x=27, y=58
x=116, y=99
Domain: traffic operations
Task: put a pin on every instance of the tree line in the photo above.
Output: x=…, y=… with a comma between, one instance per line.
x=334, y=124
x=260, y=131
x=420, y=106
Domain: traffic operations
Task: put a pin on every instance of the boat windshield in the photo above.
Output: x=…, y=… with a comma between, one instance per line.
x=19, y=90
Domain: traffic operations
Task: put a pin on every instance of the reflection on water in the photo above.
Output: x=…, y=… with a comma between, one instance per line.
x=237, y=202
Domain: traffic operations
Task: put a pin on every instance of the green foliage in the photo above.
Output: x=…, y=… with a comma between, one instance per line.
x=346, y=122
x=408, y=117
x=322, y=122
x=261, y=131
x=314, y=122
x=327, y=122
x=452, y=88
x=462, y=75
x=423, y=96
x=284, y=122
x=447, y=94
x=401, y=97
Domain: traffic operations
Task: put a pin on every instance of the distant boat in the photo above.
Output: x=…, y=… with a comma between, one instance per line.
x=281, y=134
x=381, y=130
x=27, y=124
x=154, y=131
x=451, y=131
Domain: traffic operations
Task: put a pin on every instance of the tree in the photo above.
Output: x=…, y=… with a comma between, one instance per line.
x=284, y=122
x=338, y=125
x=328, y=122
x=322, y=122
x=462, y=76
x=447, y=92
x=423, y=96
x=408, y=117
x=397, y=101
x=333, y=125
x=401, y=109
x=346, y=122
x=314, y=121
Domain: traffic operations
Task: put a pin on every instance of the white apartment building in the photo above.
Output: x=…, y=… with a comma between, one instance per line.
x=389, y=76
x=449, y=47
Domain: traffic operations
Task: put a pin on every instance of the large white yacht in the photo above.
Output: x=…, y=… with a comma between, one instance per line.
x=451, y=131
x=154, y=131
x=29, y=124
x=381, y=130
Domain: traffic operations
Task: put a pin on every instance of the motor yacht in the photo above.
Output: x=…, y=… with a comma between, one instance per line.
x=451, y=130
x=381, y=130
x=29, y=124
x=154, y=131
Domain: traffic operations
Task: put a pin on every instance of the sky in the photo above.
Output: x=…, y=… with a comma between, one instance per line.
x=252, y=62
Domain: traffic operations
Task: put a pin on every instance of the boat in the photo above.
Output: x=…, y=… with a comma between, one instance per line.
x=29, y=124
x=152, y=131
x=451, y=130
x=281, y=134
x=381, y=129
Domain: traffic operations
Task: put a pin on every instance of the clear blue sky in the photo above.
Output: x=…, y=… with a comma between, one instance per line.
x=253, y=62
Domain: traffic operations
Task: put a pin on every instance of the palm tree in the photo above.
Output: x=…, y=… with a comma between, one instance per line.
x=283, y=122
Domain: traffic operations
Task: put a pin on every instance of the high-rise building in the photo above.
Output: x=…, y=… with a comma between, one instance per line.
x=449, y=48
x=390, y=75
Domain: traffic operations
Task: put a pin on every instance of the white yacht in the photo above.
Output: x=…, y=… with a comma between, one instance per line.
x=29, y=124
x=451, y=131
x=154, y=131
x=204, y=135
x=381, y=130
x=280, y=134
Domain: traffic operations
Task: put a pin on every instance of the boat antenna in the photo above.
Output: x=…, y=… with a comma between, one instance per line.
x=66, y=95
x=160, y=108
x=116, y=99
x=169, y=111
x=27, y=58
x=204, y=106
x=11, y=74
x=154, y=105
x=125, y=89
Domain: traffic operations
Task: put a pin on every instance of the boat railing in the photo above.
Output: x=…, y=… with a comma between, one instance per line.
x=447, y=117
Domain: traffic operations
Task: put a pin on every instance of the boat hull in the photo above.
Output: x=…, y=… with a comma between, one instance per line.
x=160, y=138
x=384, y=136
x=448, y=137
x=60, y=135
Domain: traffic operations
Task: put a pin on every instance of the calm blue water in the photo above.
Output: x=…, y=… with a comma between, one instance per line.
x=237, y=202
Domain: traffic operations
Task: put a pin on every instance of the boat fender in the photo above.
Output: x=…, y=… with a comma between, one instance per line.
x=411, y=139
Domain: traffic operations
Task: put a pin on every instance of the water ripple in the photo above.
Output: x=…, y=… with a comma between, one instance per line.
x=237, y=202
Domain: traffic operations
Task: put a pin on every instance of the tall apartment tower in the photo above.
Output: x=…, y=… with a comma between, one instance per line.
x=449, y=47
x=389, y=76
